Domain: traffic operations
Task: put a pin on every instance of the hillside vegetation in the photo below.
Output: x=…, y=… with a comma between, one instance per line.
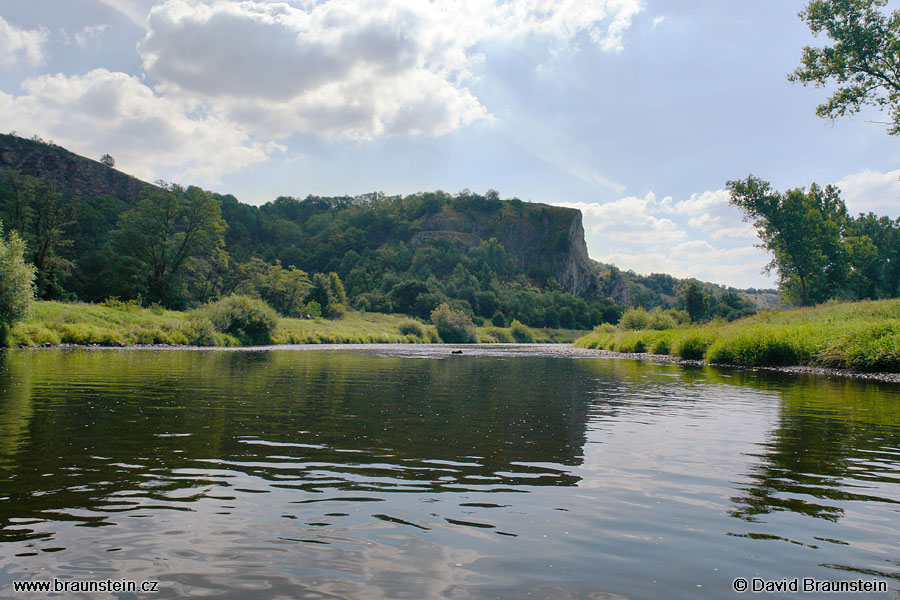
x=860, y=336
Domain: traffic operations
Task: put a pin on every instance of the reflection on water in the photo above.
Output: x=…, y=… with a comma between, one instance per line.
x=379, y=473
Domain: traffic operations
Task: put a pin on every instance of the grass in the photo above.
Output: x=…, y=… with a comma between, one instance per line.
x=125, y=324
x=860, y=336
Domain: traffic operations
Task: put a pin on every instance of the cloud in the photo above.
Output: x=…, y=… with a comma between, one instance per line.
x=351, y=68
x=88, y=33
x=737, y=267
x=631, y=220
x=18, y=43
x=871, y=191
x=104, y=112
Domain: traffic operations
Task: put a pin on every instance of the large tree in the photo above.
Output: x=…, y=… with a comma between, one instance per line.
x=804, y=231
x=156, y=240
x=863, y=60
x=16, y=281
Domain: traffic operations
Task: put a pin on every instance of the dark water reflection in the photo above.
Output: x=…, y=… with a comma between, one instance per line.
x=374, y=474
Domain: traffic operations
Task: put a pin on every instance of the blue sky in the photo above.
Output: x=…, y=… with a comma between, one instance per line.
x=636, y=112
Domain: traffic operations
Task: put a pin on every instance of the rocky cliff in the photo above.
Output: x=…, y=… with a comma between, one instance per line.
x=82, y=176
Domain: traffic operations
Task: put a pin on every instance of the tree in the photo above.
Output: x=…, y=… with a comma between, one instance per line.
x=40, y=212
x=16, y=281
x=108, y=160
x=803, y=230
x=168, y=228
x=695, y=302
x=864, y=60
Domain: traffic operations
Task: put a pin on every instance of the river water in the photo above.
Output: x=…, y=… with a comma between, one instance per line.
x=410, y=472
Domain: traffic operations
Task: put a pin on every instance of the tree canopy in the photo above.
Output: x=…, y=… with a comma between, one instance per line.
x=16, y=281
x=863, y=60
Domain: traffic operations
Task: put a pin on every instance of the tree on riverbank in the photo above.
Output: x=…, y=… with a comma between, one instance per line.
x=16, y=282
x=819, y=251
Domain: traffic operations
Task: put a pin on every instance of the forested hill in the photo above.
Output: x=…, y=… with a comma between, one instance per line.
x=95, y=233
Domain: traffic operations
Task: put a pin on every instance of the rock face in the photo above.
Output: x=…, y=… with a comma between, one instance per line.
x=83, y=176
x=544, y=241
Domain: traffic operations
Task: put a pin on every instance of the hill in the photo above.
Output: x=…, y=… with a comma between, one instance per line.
x=497, y=260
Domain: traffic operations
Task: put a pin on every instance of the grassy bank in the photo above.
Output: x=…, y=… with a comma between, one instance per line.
x=123, y=324
x=860, y=336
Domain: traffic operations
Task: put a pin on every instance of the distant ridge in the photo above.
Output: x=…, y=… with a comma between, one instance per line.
x=82, y=176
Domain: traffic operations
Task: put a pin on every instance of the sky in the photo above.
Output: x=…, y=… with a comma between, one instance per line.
x=636, y=112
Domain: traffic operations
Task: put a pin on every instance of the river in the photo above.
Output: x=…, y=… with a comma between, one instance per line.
x=410, y=472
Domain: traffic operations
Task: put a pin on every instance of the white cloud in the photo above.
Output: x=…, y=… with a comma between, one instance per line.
x=16, y=43
x=703, y=203
x=351, y=68
x=88, y=33
x=737, y=267
x=631, y=220
x=871, y=191
x=104, y=112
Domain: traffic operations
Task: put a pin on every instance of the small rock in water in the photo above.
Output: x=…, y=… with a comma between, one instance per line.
x=456, y=352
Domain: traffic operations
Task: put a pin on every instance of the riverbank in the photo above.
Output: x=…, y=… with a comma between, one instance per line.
x=852, y=336
x=125, y=324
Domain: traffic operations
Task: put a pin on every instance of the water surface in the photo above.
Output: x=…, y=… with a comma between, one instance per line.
x=408, y=472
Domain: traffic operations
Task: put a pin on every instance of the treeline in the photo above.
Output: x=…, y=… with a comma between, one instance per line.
x=819, y=251
x=182, y=247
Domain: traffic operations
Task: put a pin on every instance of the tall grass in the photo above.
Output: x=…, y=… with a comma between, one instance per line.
x=861, y=336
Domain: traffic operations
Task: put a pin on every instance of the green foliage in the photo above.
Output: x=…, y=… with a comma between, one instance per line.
x=282, y=289
x=40, y=212
x=170, y=228
x=250, y=320
x=635, y=318
x=863, y=60
x=803, y=231
x=124, y=305
x=693, y=347
x=453, y=326
x=695, y=302
x=412, y=328
x=521, y=333
x=328, y=292
x=16, y=282
x=498, y=335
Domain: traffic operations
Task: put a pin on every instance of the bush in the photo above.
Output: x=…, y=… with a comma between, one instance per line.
x=411, y=328
x=521, y=333
x=16, y=282
x=635, y=318
x=248, y=319
x=660, y=320
x=499, y=319
x=693, y=347
x=453, y=326
x=496, y=334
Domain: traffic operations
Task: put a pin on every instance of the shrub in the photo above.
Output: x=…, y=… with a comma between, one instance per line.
x=498, y=320
x=693, y=347
x=199, y=331
x=250, y=320
x=123, y=305
x=657, y=319
x=411, y=328
x=521, y=333
x=453, y=326
x=496, y=334
x=635, y=318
